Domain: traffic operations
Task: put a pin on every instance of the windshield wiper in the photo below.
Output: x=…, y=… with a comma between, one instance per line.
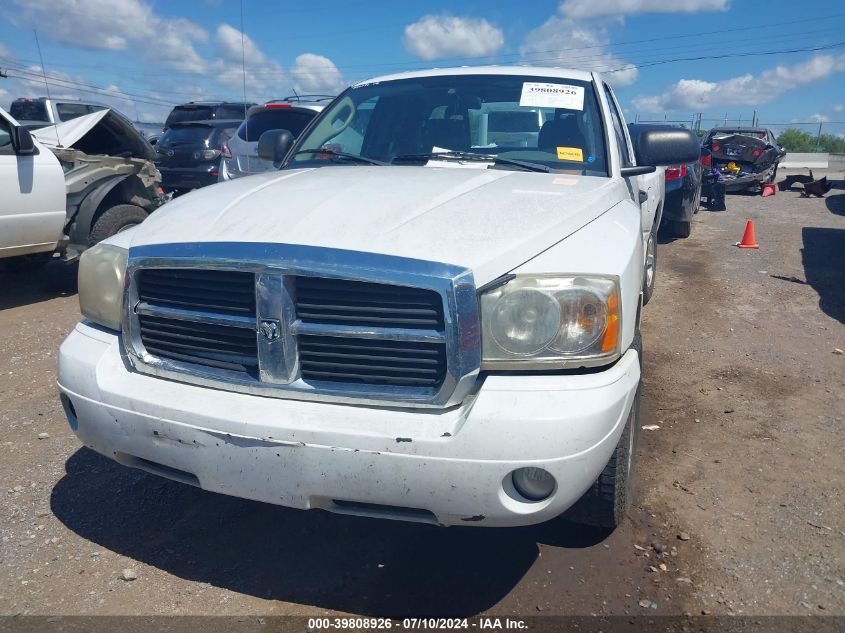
x=474, y=156
x=500, y=160
x=335, y=154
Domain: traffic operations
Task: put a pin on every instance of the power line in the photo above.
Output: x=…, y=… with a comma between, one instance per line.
x=750, y=54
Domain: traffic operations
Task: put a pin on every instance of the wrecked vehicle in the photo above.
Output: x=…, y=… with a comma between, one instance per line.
x=405, y=321
x=69, y=186
x=739, y=159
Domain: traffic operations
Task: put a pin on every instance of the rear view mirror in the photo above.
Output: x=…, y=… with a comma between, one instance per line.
x=274, y=145
x=22, y=142
x=666, y=146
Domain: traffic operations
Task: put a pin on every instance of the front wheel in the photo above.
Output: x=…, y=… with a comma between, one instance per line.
x=114, y=220
x=607, y=501
x=650, y=269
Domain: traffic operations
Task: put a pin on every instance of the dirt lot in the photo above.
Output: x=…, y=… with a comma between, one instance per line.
x=740, y=491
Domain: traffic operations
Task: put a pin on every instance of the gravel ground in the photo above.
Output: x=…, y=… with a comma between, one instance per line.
x=740, y=495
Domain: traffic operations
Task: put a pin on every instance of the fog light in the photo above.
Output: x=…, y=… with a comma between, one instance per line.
x=70, y=412
x=533, y=483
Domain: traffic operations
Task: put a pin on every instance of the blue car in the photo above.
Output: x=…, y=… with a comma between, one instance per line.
x=683, y=191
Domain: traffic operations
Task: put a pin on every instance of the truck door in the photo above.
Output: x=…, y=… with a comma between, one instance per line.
x=32, y=205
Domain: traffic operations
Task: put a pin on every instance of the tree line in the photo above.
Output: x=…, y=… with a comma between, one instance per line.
x=793, y=140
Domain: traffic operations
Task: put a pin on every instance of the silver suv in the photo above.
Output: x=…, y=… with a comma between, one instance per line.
x=240, y=153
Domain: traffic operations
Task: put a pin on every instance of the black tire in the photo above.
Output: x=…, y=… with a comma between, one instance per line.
x=774, y=175
x=114, y=220
x=27, y=263
x=681, y=228
x=607, y=501
x=649, y=280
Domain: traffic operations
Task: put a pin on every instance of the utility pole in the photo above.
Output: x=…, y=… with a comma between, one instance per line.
x=819, y=137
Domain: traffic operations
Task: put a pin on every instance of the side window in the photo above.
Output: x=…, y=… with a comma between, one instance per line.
x=68, y=111
x=618, y=130
x=5, y=137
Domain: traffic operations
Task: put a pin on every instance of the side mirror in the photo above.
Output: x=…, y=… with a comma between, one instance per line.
x=666, y=146
x=22, y=142
x=274, y=145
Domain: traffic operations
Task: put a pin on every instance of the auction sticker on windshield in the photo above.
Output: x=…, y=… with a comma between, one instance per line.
x=541, y=95
x=570, y=153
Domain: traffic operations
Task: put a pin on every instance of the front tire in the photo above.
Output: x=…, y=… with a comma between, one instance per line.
x=607, y=501
x=650, y=268
x=114, y=220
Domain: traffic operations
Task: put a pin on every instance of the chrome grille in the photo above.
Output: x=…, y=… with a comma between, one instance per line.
x=209, y=344
x=303, y=322
x=223, y=291
x=368, y=361
x=339, y=301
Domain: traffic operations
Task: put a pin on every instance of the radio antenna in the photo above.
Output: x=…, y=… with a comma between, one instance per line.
x=46, y=84
x=243, y=62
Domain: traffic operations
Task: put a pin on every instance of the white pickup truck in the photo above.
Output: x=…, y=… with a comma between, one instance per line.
x=67, y=186
x=404, y=321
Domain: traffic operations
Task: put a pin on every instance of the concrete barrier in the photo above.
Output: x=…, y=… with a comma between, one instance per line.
x=795, y=160
x=836, y=161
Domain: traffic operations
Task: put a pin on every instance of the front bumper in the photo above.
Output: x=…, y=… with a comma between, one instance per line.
x=450, y=467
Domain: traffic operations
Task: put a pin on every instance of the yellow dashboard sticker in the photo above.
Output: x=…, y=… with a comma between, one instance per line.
x=570, y=153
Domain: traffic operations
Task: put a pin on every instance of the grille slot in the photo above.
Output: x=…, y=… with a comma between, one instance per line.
x=342, y=302
x=216, y=292
x=372, y=361
x=206, y=344
x=222, y=291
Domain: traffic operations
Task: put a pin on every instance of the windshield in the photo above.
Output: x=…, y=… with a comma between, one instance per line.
x=182, y=134
x=191, y=113
x=548, y=121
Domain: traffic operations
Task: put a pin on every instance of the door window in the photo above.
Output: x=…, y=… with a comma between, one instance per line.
x=5, y=137
x=618, y=130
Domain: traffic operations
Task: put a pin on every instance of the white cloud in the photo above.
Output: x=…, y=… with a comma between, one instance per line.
x=315, y=74
x=229, y=46
x=439, y=36
x=749, y=90
x=838, y=107
x=819, y=118
x=116, y=25
x=580, y=9
x=562, y=41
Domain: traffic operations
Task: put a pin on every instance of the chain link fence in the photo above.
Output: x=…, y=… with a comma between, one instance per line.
x=796, y=136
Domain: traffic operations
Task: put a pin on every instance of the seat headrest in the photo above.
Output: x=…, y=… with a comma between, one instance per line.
x=564, y=132
x=451, y=133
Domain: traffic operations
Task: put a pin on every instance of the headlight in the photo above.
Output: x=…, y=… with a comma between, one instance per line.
x=101, y=272
x=549, y=322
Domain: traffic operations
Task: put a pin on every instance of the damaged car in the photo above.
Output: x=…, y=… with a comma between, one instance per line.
x=739, y=159
x=68, y=186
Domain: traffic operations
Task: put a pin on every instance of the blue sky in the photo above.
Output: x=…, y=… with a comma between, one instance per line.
x=143, y=55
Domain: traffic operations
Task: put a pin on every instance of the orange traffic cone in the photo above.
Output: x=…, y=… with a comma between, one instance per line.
x=748, y=239
x=769, y=189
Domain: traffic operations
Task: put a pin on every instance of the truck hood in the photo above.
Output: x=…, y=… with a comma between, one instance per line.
x=488, y=220
x=99, y=133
